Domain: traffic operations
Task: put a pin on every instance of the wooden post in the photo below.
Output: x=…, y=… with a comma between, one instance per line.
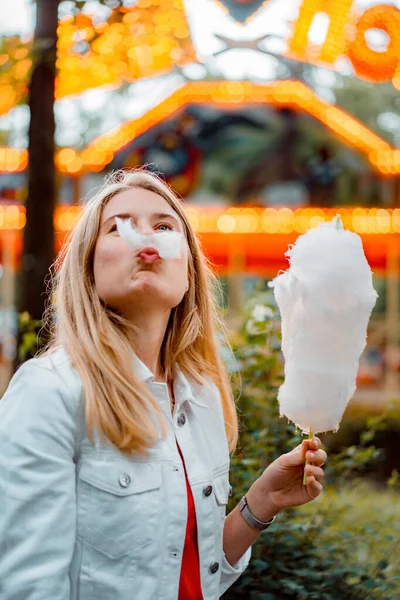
x=396, y=191
x=392, y=384
x=76, y=190
x=236, y=277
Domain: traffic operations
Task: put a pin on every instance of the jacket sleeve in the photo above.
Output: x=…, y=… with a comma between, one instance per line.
x=37, y=485
x=230, y=573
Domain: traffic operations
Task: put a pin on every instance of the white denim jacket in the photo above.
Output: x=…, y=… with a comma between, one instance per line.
x=79, y=522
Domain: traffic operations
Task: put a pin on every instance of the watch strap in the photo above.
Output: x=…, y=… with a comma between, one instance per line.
x=250, y=518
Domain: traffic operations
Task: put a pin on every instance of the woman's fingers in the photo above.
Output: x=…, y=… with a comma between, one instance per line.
x=314, y=488
x=315, y=443
x=314, y=471
x=317, y=458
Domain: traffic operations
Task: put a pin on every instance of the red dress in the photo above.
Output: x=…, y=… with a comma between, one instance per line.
x=189, y=583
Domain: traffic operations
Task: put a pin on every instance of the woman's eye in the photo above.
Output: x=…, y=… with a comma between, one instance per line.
x=169, y=227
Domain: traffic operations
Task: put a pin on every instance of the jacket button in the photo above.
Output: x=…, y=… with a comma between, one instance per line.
x=124, y=480
x=181, y=419
x=207, y=490
x=230, y=490
x=214, y=567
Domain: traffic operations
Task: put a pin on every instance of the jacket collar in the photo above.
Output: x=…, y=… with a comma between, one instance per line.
x=182, y=388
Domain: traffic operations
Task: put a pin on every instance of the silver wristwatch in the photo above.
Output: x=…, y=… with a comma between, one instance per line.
x=250, y=518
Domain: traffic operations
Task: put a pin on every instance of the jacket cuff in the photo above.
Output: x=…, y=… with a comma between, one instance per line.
x=230, y=573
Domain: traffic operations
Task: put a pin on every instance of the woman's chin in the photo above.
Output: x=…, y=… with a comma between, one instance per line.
x=147, y=284
x=145, y=276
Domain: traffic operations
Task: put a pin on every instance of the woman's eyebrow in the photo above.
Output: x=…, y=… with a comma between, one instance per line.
x=153, y=216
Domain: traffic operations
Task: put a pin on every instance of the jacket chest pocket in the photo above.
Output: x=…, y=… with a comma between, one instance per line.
x=221, y=491
x=119, y=504
x=222, y=488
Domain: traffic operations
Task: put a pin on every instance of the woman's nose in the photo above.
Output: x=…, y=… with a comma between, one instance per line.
x=144, y=228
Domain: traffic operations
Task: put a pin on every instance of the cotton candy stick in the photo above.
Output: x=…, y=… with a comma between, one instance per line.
x=325, y=299
x=167, y=243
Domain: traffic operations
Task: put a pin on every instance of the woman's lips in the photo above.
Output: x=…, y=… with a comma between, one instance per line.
x=149, y=255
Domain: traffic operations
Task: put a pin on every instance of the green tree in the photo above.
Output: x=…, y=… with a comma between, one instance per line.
x=377, y=105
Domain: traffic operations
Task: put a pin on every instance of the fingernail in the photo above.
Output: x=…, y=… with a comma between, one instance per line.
x=312, y=455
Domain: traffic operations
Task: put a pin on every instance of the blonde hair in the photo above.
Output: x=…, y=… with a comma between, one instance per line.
x=117, y=404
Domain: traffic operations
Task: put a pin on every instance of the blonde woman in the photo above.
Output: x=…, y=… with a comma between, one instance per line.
x=115, y=442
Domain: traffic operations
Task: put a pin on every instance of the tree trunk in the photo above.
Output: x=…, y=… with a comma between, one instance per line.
x=38, y=242
x=287, y=150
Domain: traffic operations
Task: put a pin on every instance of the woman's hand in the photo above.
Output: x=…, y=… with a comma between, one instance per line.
x=281, y=484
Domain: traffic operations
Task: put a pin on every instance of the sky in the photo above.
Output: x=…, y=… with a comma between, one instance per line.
x=16, y=16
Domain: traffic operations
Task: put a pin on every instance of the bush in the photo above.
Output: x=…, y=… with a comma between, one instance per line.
x=30, y=337
x=360, y=430
x=309, y=552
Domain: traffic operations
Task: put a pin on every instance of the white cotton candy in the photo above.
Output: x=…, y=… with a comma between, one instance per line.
x=325, y=299
x=167, y=243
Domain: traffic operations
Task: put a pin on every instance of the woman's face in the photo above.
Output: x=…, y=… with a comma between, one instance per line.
x=123, y=280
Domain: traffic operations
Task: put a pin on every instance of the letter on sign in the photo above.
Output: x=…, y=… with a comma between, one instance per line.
x=376, y=66
x=338, y=12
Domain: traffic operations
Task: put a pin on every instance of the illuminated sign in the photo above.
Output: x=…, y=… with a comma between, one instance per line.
x=346, y=36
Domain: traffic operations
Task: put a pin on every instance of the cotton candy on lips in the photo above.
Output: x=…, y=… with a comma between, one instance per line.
x=167, y=243
x=325, y=299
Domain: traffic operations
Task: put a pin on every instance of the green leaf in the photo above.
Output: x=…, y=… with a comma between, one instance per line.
x=259, y=565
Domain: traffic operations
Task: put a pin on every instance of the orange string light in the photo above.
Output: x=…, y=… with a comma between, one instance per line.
x=13, y=160
x=243, y=220
x=262, y=234
x=162, y=38
x=12, y=217
x=141, y=41
x=294, y=94
x=153, y=36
